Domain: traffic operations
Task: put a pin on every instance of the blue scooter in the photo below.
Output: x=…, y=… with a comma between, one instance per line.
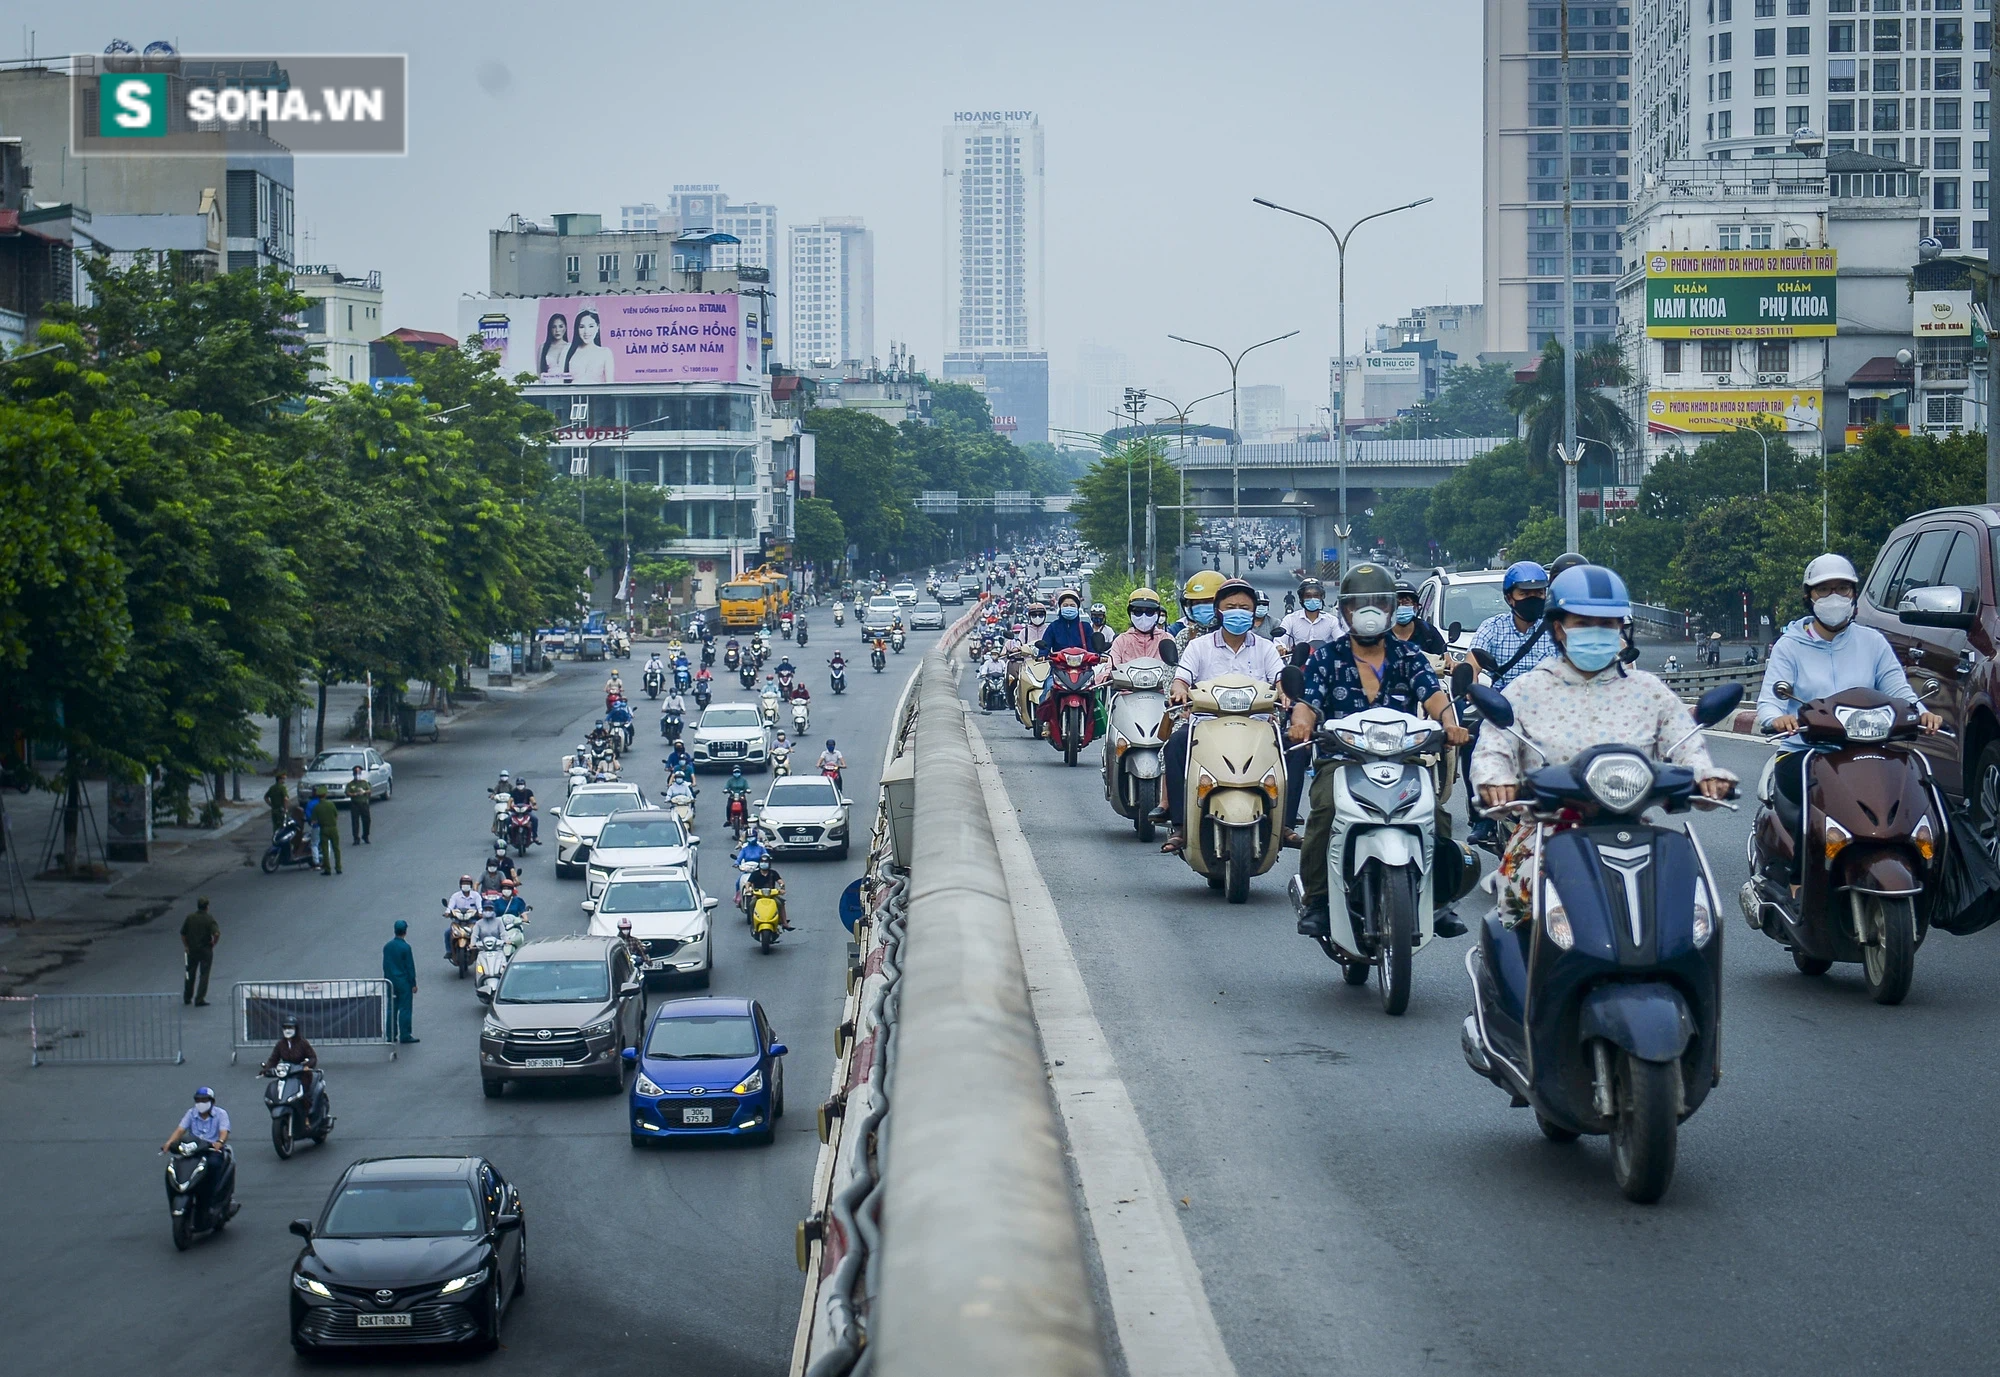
x=1604, y=1011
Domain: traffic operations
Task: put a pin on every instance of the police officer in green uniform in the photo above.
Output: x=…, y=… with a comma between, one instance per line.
x=360, y=794
x=326, y=818
x=277, y=798
x=199, y=934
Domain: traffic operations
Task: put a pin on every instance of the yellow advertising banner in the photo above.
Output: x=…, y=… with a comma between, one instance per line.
x=1709, y=413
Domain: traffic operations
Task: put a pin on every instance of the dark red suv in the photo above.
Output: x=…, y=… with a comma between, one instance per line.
x=1946, y=639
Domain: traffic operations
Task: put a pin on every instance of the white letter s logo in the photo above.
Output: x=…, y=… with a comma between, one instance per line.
x=134, y=111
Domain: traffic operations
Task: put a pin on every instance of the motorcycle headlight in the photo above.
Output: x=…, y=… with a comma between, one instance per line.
x=1704, y=914
x=1383, y=738
x=644, y=1085
x=1235, y=699
x=1145, y=678
x=1555, y=918
x=750, y=1084
x=470, y=1279
x=1867, y=724
x=598, y=1030
x=305, y=1283
x=1619, y=782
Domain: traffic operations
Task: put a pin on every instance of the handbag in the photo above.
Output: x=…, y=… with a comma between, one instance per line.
x=1966, y=895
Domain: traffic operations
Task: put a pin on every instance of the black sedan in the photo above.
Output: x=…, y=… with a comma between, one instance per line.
x=410, y=1250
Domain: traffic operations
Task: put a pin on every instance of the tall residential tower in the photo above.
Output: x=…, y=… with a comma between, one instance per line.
x=833, y=293
x=993, y=312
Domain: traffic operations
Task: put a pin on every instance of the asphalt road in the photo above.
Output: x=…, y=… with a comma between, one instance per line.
x=679, y=1258
x=1359, y=1201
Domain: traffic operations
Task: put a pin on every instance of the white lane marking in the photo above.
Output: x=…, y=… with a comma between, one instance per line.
x=1164, y=1322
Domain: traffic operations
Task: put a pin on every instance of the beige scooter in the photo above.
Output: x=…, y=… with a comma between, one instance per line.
x=1028, y=685
x=1235, y=783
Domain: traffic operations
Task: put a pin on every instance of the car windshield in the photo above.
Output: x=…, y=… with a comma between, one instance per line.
x=555, y=982
x=885, y=601
x=1469, y=604
x=731, y=715
x=928, y=607
x=581, y=805
x=698, y=1039
x=802, y=793
x=401, y=1209
x=647, y=896
x=338, y=760
x=664, y=830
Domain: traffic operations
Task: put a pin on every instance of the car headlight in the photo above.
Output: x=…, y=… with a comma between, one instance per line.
x=599, y=1029
x=1620, y=781
x=305, y=1283
x=750, y=1084
x=644, y=1085
x=490, y=1029
x=1704, y=914
x=1867, y=724
x=564, y=834
x=461, y=1283
x=1555, y=918
x=1235, y=699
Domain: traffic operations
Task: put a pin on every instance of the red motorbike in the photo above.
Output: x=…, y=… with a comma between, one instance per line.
x=739, y=815
x=1068, y=710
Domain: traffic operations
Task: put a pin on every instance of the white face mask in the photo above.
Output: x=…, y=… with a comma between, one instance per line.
x=1369, y=622
x=1835, y=610
x=204, y=1107
x=1145, y=621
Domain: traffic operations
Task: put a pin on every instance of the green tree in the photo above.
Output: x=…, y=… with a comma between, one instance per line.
x=860, y=476
x=819, y=535
x=1473, y=402
x=1100, y=502
x=1752, y=545
x=1539, y=403
x=1476, y=511
x=961, y=406
x=1681, y=485
x=1890, y=477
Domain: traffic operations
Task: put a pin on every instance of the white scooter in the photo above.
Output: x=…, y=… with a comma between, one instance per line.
x=801, y=717
x=1134, y=740
x=494, y=954
x=1380, y=886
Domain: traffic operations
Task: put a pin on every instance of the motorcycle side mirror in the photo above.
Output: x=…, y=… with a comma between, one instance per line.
x=1783, y=688
x=1718, y=703
x=1461, y=679
x=1492, y=704
x=302, y=1227
x=1486, y=660
x=1452, y=632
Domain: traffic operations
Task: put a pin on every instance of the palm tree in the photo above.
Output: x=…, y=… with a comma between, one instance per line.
x=1539, y=401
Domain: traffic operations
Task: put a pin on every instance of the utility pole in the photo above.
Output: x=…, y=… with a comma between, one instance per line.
x=1571, y=454
x=1135, y=403
x=1235, y=442
x=1992, y=339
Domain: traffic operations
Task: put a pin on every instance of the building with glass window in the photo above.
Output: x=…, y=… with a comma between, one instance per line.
x=345, y=317
x=1524, y=152
x=1905, y=80
x=833, y=293
x=993, y=265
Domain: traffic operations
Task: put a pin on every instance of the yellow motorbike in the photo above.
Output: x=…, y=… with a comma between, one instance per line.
x=1235, y=783
x=767, y=916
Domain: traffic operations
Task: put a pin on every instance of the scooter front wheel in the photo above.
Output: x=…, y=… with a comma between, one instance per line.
x=281, y=1136
x=1644, y=1135
x=1395, y=894
x=1240, y=864
x=1889, y=962
x=270, y=863
x=1143, y=803
x=184, y=1229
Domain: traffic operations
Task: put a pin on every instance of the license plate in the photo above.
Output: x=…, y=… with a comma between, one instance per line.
x=697, y=1116
x=542, y=1063
x=401, y=1321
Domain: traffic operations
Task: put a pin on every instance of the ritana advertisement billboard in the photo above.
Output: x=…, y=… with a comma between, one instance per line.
x=1751, y=294
x=633, y=338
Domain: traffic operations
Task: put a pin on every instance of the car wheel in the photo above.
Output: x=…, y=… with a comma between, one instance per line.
x=1986, y=797
x=778, y=1096
x=702, y=976
x=521, y=1266
x=389, y=789
x=492, y=1087
x=491, y=1339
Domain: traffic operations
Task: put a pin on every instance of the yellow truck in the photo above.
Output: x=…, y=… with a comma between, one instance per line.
x=745, y=603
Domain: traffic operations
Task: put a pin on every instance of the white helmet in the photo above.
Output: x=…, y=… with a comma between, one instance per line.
x=1828, y=569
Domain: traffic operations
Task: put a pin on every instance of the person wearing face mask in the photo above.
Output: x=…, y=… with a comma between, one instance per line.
x=1265, y=624
x=1147, y=639
x=1368, y=667
x=1824, y=652
x=1409, y=626
x=1068, y=630
x=1100, y=628
x=1516, y=642
x=1233, y=648
x=207, y=1121
x=1197, y=607
x=1583, y=696
x=1314, y=624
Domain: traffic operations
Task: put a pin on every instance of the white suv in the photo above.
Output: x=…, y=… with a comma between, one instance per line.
x=1465, y=599
x=582, y=817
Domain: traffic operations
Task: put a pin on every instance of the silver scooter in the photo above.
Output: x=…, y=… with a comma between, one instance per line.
x=1135, y=740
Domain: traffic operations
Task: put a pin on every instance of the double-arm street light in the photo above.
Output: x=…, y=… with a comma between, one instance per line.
x=1179, y=415
x=1235, y=441
x=1340, y=400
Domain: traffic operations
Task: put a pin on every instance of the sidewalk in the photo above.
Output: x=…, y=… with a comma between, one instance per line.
x=68, y=916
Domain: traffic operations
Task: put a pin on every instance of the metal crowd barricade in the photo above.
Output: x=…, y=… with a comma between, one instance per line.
x=104, y=1029
x=330, y=1013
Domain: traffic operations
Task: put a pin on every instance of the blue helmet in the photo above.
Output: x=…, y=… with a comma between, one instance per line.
x=1589, y=590
x=1522, y=571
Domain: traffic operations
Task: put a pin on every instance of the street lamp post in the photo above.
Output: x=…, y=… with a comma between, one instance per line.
x=1235, y=442
x=1135, y=402
x=1179, y=414
x=1340, y=400
x=1758, y=431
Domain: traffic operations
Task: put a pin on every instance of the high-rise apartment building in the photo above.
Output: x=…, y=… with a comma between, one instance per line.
x=1525, y=150
x=833, y=292
x=993, y=326
x=1905, y=80
x=644, y=216
x=755, y=225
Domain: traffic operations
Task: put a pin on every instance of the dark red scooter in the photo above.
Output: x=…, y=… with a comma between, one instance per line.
x=1068, y=710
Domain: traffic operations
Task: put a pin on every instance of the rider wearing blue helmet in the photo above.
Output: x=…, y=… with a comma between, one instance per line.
x=1515, y=641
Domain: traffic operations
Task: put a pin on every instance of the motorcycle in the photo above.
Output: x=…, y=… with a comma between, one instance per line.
x=671, y=725
x=766, y=920
x=737, y=812
x=785, y=626
x=767, y=706
x=831, y=775
x=799, y=632
x=993, y=689
x=1068, y=713
x=876, y=657
x=1868, y=842
x=521, y=830
x=653, y=681
x=288, y=849
x=683, y=676
x=1235, y=784
x=786, y=678
x=459, y=943
x=1134, y=737
x=1034, y=672
x=1387, y=870
x=732, y=656
x=702, y=693
x=840, y=681
x=503, y=801
x=291, y=1116
x=801, y=716
x=1602, y=1010
x=781, y=761
x=708, y=652
x=747, y=675
x=494, y=954
x=839, y=614
x=201, y=1189
x=684, y=810
x=897, y=640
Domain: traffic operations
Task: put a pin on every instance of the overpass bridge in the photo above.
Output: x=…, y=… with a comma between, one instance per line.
x=1306, y=475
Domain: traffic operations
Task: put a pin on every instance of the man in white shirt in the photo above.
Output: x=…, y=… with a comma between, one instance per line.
x=1311, y=626
x=1233, y=648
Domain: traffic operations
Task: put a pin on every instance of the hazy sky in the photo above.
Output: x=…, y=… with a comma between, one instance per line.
x=1161, y=121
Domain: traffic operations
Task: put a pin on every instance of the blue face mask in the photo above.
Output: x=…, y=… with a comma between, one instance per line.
x=1313, y=604
x=1236, y=621
x=1069, y=614
x=1405, y=615
x=1591, y=648
x=1203, y=614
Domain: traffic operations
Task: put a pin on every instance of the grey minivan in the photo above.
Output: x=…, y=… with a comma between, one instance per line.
x=564, y=1010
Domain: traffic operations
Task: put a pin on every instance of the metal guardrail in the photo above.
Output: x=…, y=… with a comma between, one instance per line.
x=330, y=1013
x=104, y=1029
x=1692, y=683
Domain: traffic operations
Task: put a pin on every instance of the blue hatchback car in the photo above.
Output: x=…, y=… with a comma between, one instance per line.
x=710, y=1068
